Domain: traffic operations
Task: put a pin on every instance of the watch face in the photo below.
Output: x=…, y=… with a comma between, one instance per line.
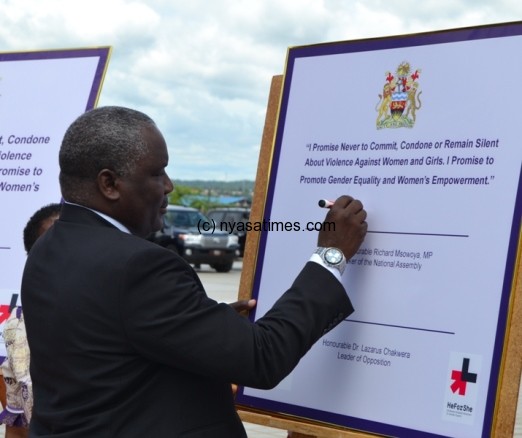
x=333, y=256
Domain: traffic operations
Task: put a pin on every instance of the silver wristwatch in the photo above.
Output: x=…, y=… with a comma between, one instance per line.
x=332, y=257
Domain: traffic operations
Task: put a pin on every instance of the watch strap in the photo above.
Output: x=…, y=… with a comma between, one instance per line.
x=340, y=266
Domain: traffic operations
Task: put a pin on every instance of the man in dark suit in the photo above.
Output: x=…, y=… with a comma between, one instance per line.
x=124, y=340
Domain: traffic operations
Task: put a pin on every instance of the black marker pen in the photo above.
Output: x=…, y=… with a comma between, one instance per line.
x=325, y=203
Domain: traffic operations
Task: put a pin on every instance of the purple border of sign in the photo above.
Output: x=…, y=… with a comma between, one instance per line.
x=430, y=38
x=101, y=52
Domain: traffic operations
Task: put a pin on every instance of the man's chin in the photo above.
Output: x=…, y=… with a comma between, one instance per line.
x=158, y=225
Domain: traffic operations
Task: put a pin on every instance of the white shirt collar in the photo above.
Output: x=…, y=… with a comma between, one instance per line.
x=109, y=219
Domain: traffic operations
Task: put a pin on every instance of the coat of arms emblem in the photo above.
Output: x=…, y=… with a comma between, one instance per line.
x=400, y=98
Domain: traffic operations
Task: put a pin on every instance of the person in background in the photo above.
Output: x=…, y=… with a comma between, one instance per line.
x=15, y=368
x=143, y=351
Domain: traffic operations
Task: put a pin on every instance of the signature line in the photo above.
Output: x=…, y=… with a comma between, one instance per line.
x=419, y=234
x=402, y=327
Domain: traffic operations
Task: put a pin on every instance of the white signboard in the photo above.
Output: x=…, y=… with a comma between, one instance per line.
x=424, y=130
x=41, y=93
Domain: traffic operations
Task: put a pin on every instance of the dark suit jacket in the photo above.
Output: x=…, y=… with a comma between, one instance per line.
x=125, y=342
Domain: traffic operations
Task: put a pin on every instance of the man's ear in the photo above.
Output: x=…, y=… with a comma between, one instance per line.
x=107, y=181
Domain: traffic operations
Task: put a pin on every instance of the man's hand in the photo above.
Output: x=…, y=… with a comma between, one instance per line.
x=349, y=218
x=243, y=306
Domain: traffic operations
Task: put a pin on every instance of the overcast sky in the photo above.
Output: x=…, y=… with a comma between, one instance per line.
x=202, y=69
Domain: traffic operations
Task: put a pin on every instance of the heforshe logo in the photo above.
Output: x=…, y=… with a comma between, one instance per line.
x=462, y=377
x=462, y=387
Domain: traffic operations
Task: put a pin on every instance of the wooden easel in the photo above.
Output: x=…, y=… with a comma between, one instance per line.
x=511, y=366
